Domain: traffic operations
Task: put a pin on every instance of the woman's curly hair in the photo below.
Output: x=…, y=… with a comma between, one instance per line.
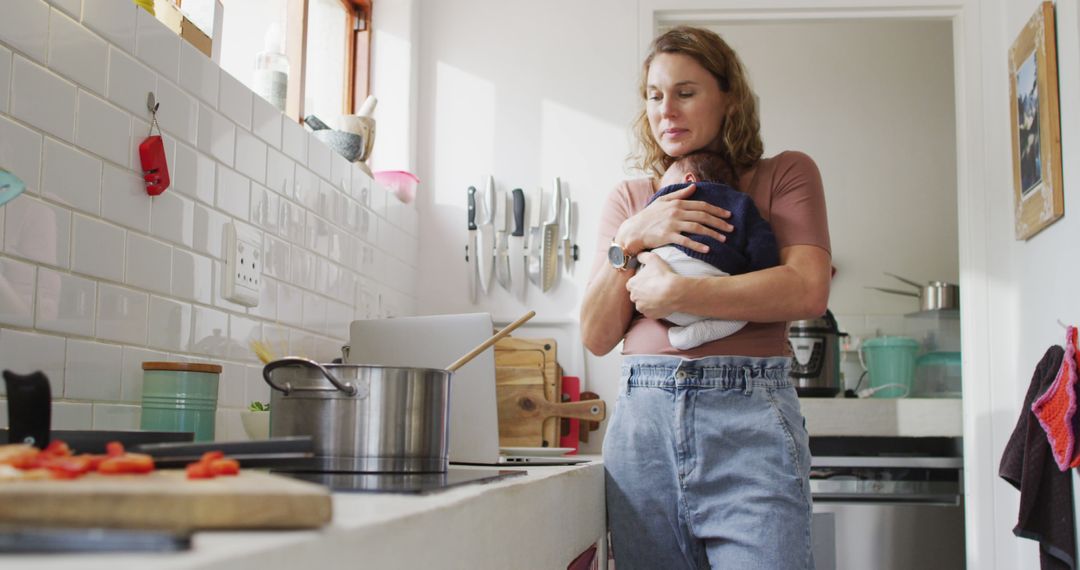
x=741, y=132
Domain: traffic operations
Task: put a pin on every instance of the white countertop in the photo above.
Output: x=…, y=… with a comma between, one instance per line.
x=900, y=417
x=541, y=520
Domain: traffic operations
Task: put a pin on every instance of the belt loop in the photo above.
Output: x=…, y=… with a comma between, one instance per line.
x=748, y=389
x=629, y=377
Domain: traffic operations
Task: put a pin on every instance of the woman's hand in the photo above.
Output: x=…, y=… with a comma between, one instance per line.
x=654, y=286
x=668, y=218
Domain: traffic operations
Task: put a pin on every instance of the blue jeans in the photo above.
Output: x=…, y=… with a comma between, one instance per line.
x=707, y=465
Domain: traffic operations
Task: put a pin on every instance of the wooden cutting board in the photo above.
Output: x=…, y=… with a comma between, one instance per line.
x=539, y=357
x=523, y=409
x=167, y=500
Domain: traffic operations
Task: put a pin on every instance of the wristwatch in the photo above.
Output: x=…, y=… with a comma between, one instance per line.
x=620, y=258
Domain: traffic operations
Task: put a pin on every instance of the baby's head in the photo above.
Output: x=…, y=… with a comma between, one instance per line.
x=697, y=167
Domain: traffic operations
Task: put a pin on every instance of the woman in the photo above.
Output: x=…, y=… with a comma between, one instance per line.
x=706, y=453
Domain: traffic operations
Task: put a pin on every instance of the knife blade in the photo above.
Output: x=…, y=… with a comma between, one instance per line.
x=470, y=247
x=568, y=257
x=485, y=236
x=536, y=235
x=519, y=263
x=502, y=237
x=549, y=255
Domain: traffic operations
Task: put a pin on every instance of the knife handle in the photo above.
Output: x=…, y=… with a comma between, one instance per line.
x=519, y=212
x=29, y=408
x=472, y=207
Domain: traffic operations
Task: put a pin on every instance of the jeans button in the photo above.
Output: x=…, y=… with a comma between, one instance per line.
x=680, y=375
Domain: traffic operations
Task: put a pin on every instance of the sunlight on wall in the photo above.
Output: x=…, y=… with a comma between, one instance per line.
x=463, y=131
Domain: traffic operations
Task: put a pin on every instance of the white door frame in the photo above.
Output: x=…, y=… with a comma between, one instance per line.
x=980, y=464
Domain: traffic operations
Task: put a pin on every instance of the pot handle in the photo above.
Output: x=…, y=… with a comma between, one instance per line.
x=347, y=387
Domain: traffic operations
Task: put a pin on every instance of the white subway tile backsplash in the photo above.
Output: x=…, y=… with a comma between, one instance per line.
x=209, y=230
x=20, y=152
x=38, y=231
x=17, y=306
x=77, y=53
x=209, y=331
x=72, y=7
x=121, y=314
x=233, y=193
x=179, y=112
x=93, y=371
x=172, y=218
x=194, y=174
x=103, y=129
x=265, y=208
x=234, y=100
x=116, y=417
x=314, y=312
x=267, y=307
x=341, y=173
x=275, y=257
x=26, y=353
x=25, y=27
x=250, y=156
x=157, y=45
x=338, y=318
x=241, y=332
x=198, y=74
x=98, y=248
x=65, y=303
x=113, y=20
x=256, y=388
x=294, y=141
x=193, y=276
x=71, y=177
x=72, y=415
x=42, y=98
x=318, y=234
x=131, y=375
x=302, y=266
x=149, y=264
x=217, y=135
x=290, y=305
x=361, y=187
x=279, y=172
x=266, y=121
x=231, y=388
x=124, y=199
x=129, y=83
x=319, y=157
x=170, y=325
x=292, y=221
x=5, y=78
x=306, y=188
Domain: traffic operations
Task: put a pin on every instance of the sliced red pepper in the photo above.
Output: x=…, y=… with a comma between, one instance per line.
x=199, y=470
x=69, y=467
x=211, y=455
x=127, y=463
x=114, y=449
x=225, y=466
x=57, y=448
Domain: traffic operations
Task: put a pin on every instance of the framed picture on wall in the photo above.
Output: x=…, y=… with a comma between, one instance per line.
x=1036, y=128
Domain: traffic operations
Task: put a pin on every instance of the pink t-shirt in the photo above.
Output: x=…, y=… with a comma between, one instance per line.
x=787, y=191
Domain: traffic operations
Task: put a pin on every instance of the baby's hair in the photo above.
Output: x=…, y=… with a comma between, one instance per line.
x=709, y=166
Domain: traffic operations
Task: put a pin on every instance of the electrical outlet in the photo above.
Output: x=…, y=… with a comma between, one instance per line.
x=243, y=264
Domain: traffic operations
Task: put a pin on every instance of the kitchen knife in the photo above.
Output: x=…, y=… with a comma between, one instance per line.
x=568, y=255
x=470, y=247
x=485, y=236
x=536, y=235
x=549, y=254
x=519, y=263
x=502, y=236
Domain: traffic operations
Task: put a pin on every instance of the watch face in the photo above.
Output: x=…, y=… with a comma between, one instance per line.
x=616, y=256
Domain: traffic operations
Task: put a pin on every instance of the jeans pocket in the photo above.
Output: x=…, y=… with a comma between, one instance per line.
x=793, y=425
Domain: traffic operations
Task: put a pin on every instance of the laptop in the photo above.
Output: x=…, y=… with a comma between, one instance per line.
x=436, y=341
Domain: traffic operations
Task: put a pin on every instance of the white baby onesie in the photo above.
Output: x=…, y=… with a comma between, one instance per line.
x=694, y=330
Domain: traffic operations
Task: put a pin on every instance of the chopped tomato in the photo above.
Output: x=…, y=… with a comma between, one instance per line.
x=199, y=470
x=127, y=463
x=225, y=466
x=69, y=467
x=114, y=449
x=57, y=448
x=212, y=455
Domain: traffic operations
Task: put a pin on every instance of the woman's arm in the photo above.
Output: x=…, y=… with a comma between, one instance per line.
x=796, y=289
x=606, y=309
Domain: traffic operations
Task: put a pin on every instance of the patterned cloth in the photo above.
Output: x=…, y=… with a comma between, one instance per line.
x=1057, y=406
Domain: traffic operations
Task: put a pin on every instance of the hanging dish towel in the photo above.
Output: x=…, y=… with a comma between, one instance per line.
x=1057, y=406
x=1046, y=496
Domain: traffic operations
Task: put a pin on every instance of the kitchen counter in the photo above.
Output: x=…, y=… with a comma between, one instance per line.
x=898, y=417
x=541, y=520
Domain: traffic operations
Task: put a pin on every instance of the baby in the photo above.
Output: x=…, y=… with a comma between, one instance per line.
x=751, y=246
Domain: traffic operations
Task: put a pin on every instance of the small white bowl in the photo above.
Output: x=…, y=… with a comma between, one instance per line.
x=256, y=424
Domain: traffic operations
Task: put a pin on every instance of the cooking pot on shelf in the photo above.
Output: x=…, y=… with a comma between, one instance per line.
x=934, y=296
x=815, y=347
x=368, y=418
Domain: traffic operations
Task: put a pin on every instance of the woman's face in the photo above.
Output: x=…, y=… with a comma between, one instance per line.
x=684, y=104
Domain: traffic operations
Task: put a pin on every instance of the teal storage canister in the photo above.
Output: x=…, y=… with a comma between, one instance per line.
x=890, y=361
x=180, y=396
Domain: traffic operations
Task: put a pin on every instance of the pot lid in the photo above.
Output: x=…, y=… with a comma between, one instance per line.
x=824, y=323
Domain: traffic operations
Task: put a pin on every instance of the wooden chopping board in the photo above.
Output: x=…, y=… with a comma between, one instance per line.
x=538, y=356
x=523, y=409
x=167, y=500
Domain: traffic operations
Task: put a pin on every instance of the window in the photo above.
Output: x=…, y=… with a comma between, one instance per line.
x=323, y=64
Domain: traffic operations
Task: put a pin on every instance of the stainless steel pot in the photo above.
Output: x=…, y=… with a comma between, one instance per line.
x=933, y=296
x=363, y=418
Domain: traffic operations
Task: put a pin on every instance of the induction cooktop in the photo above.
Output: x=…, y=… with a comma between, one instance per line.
x=405, y=483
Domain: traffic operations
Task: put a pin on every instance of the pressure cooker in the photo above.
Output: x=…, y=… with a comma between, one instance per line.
x=815, y=348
